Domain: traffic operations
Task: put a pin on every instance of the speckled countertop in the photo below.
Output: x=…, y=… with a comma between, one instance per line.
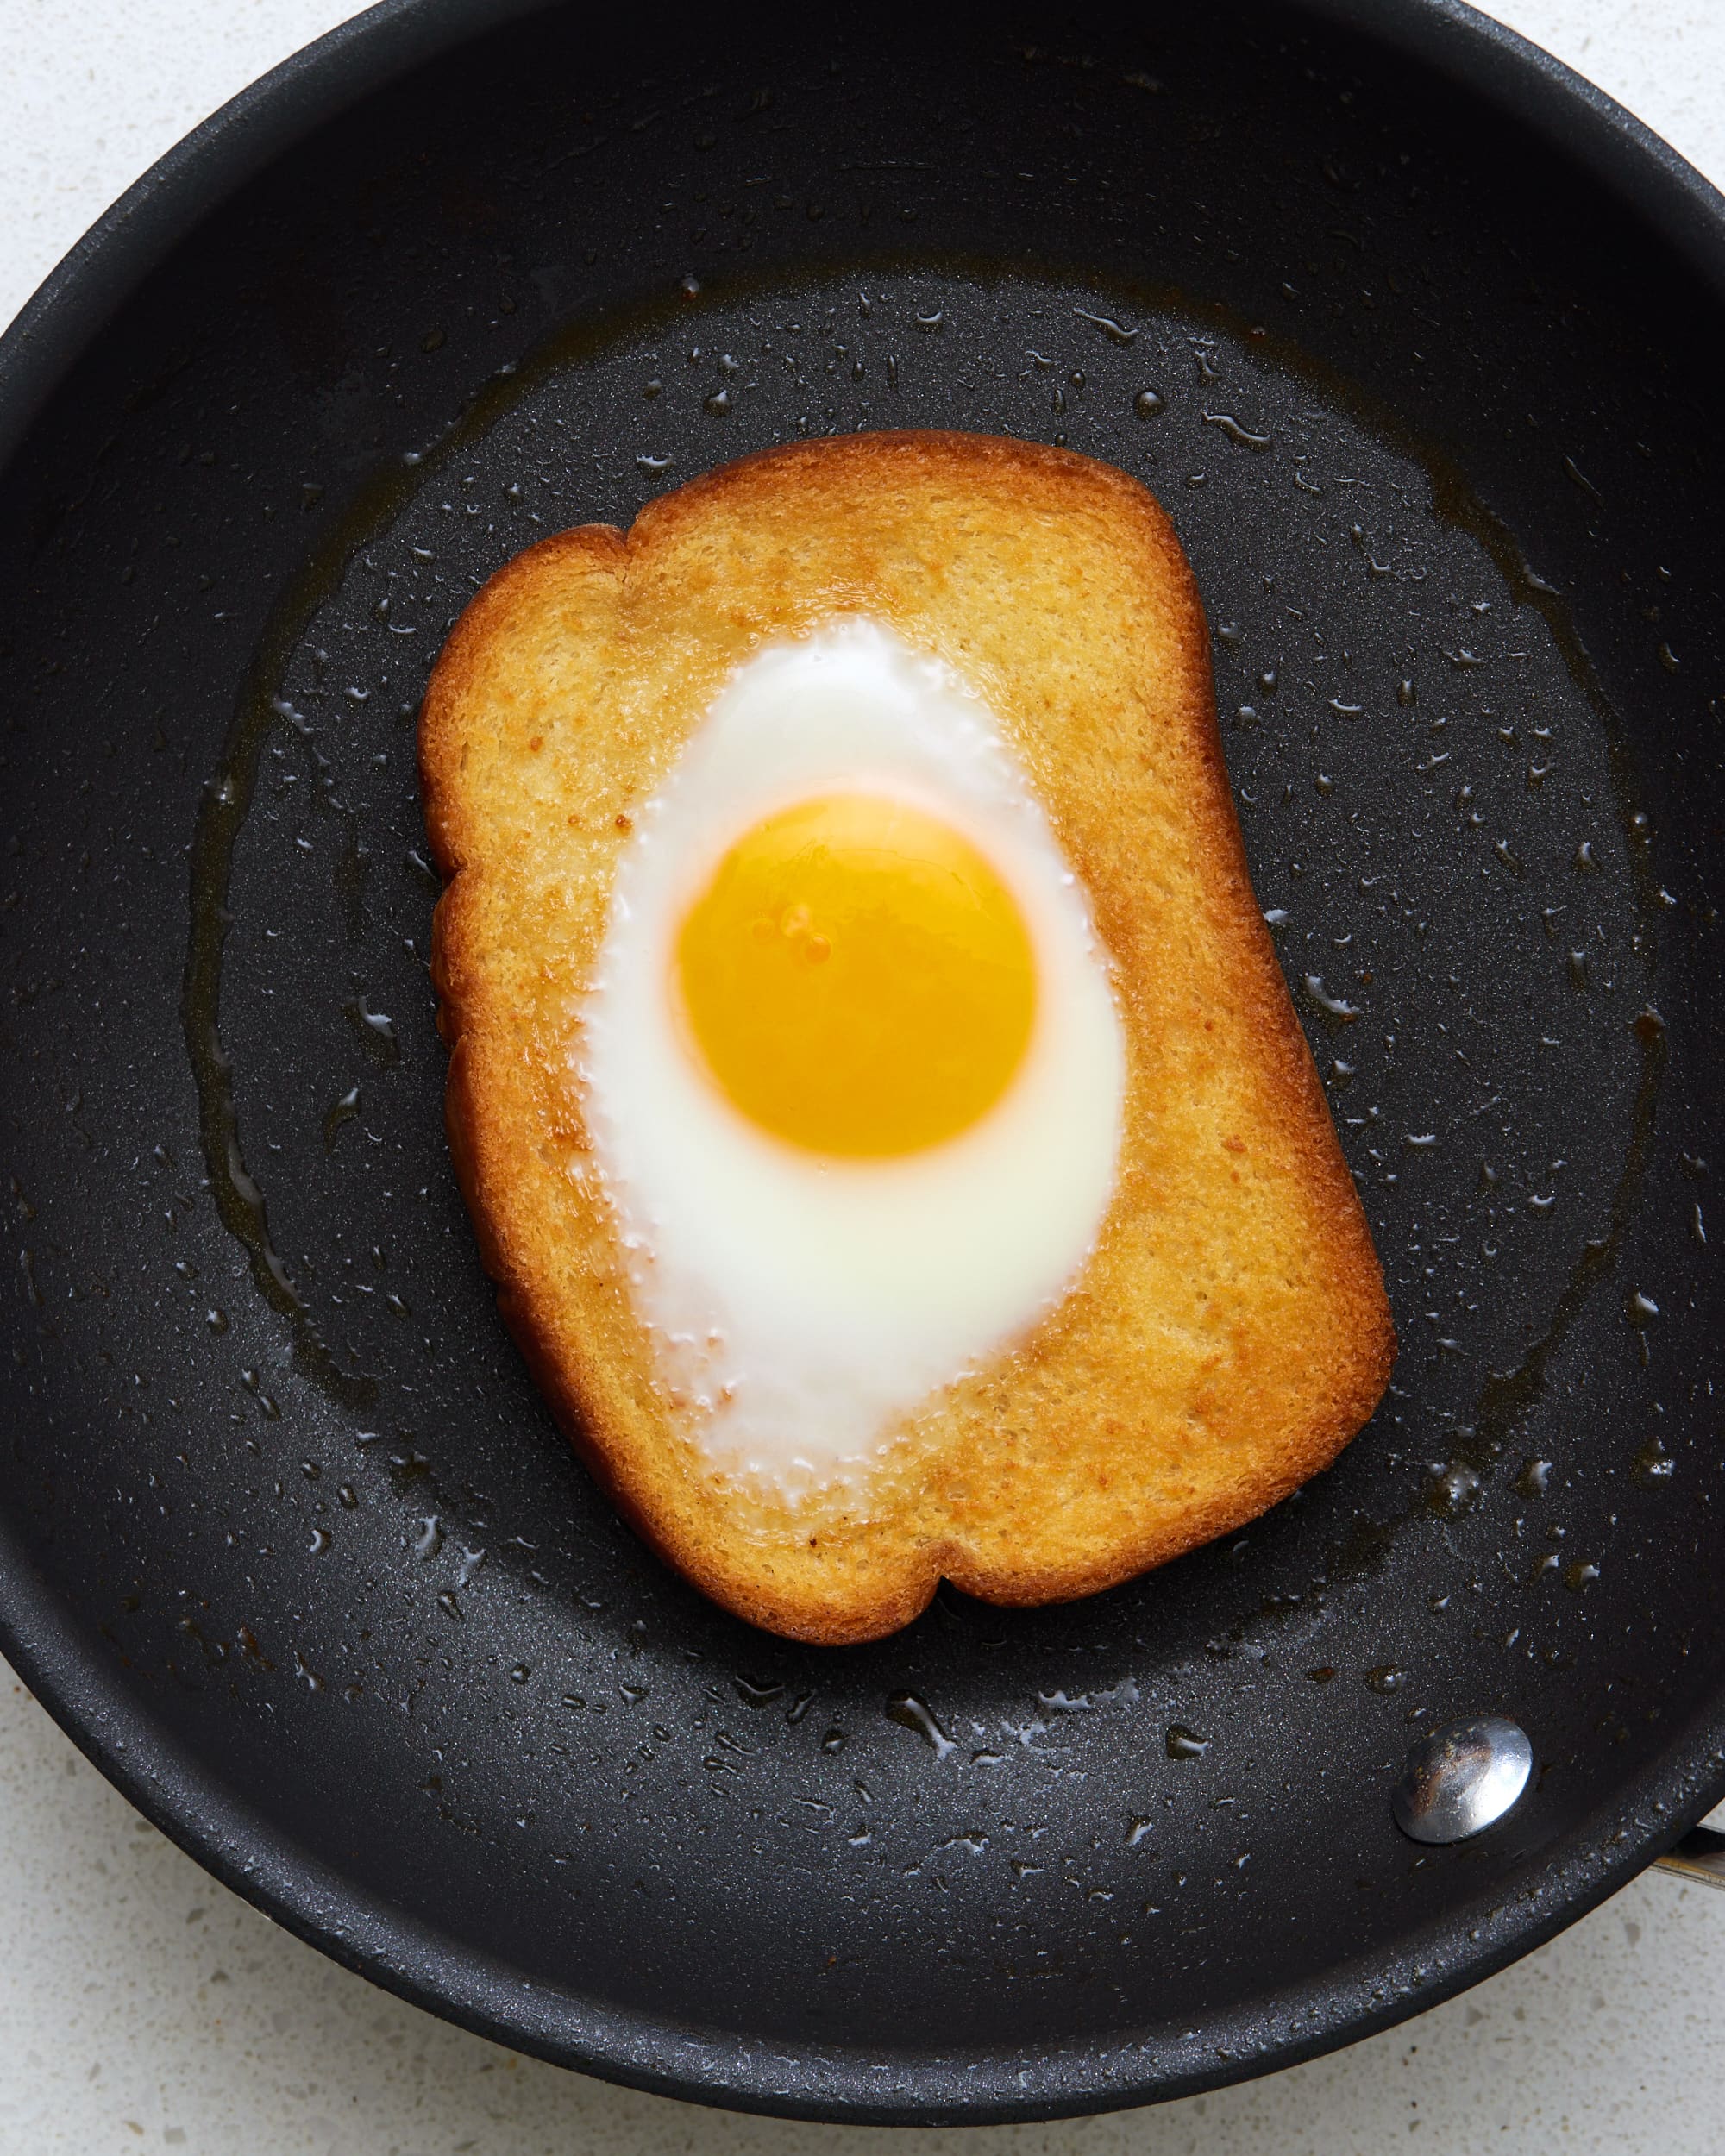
x=142, y=2006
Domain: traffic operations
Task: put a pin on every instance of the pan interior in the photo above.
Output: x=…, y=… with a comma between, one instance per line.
x=1452, y=520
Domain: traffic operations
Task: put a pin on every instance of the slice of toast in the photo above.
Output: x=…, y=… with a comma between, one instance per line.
x=1230, y=1332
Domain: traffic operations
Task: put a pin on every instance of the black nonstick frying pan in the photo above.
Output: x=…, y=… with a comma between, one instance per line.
x=1418, y=338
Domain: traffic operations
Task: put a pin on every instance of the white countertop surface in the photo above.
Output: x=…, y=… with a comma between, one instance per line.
x=142, y=2006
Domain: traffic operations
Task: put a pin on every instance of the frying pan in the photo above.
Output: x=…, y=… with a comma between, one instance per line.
x=1417, y=337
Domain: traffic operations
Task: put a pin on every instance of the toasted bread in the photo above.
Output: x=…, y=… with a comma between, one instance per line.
x=1230, y=1332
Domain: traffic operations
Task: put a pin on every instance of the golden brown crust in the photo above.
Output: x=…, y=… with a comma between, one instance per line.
x=1231, y=1333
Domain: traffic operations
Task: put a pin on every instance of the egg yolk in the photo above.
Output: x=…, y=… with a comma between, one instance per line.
x=858, y=978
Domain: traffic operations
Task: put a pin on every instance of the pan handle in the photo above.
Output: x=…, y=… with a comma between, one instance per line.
x=1699, y=1856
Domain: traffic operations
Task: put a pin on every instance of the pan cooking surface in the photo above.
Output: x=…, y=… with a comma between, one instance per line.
x=1446, y=487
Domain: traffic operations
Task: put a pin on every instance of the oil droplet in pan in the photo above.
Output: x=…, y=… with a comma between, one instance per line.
x=910, y=1713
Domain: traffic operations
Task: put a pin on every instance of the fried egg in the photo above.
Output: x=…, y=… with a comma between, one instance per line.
x=851, y=1061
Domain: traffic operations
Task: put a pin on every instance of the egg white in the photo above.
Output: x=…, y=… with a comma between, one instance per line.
x=802, y=1306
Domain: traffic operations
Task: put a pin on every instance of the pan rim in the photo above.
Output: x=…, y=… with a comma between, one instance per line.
x=1509, y=1917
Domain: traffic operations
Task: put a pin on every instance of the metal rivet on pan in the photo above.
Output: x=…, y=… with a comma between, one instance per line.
x=1462, y=1779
